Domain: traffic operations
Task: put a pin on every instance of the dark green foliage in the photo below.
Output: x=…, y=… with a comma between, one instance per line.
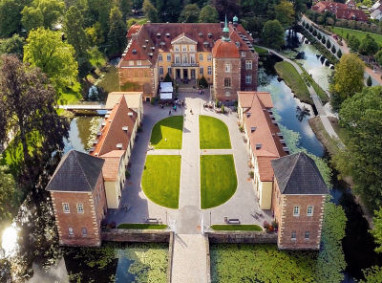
x=315, y=32
x=150, y=11
x=208, y=14
x=190, y=14
x=334, y=49
x=9, y=197
x=13, y=45
x=323, y=40
x=117, y=33
x=368, y=46
x=319, y=36
x=142, y=226
x=167, y=78
x=203, y=82
x=10, y=17
x=228, y=8
x=328, y=44
x=353, y=43
x=360, y=117
x=273, y=34
x=339, y=53
x=377, y=229
x=372, y=274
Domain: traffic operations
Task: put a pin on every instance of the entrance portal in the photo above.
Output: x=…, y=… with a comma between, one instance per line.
x=185, y=74
x=177, y=74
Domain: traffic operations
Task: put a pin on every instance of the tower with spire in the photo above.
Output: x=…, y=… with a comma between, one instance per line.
x=226, y=30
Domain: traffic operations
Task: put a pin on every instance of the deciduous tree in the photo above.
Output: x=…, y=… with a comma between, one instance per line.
x=273, y=34
x=10, y=17
x=208, y=14
x=27, y=105
x=368, y=46
x=117, y=33
x=361, y=119
x=13, y=45
x=348, y=79
x=9, y=195
x=190, y=14
x=46, y=50
x=150, y=11
x=285, y=13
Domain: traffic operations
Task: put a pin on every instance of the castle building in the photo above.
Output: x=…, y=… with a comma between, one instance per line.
x=221, y=53
x=290, y=186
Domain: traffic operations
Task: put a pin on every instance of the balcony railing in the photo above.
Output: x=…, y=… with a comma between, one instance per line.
x=184, y=65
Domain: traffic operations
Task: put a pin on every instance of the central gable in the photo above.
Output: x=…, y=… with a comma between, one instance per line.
x=183, y=39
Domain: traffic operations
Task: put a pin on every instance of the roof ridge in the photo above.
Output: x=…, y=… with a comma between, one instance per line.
x=82, y=170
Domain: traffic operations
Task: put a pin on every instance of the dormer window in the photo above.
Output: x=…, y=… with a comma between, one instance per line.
x=119, y=145
x=253, y=129
x=134, y=51
x=167, y=34
x=258, y=146
x=158, y=34
x=209, y=35
x=125, y=128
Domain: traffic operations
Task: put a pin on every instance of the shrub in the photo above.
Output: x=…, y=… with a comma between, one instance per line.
x=328, y=44
x=334, y=49
x=319, y=36
x=167, y=78
x=369, y=82
x=251, y=174
x=339, y=53
x=127, y=174
x=203, y=82
x=266, y=224
x=222, y=108
x=314, y=32
x=241, y=129
x=323, y=40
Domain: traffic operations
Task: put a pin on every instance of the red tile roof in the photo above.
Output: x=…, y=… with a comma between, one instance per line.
x=151, y=37
x=112, y=132
x=262, y=132
x=225, y=49
x=110, y=169
x=342, y=11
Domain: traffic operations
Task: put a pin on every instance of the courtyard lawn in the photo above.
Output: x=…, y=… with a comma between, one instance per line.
x=167, y=133
x=161, y=179
x=142, y=226
x=236, y=227
x=360, y=35
x=213, y=133
x=218, y=179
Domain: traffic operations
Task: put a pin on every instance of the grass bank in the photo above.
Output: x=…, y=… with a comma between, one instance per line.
x=161, y=179
x=329, y=143
x=218, y=179
x=261, y=51
x=236, y=228
x=320, y=92
x=142, y=226
x=360, y=35
x=292, y=78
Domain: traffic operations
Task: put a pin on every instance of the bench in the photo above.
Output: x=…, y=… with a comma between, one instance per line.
x=152, y=220
x=233, y=221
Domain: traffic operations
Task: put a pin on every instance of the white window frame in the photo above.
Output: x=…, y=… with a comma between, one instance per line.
x=228, y=68
x=248, y=64
x=139, y=63
x=177, y=59
x=71, y=231
x=227, y=82
x=160, y=70
x=209, y=70
x=191, y=48
x=293, y=236
x=243, y=54
x=184, y=48
x=160, y=57
x=80, y=208
x=131, y=63
x=311, y=212
x=248, y=79
x=192, y=59
x=200, y=57
x=307, y=233
x=176, y=48
x=84, y=229
x=184, y=59
x=169, y=71
x=296, y=210
x=201, y=70
x=65, y=207
x=209, y=57
x=168, y=57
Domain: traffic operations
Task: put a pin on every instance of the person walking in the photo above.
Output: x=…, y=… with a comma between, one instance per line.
x=169, y=113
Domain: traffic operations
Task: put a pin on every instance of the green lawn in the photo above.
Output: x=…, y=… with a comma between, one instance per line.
x=167, y=133
x=261, y=51
x=161, y=179
x=218, y=179
x=320, y=92
x=213, y=133
x=236, y=227
x=142, y=226
x=293, y=79
x=360, y=35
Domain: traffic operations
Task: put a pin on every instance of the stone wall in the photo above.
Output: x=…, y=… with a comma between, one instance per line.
x=230, y=237
x=136, y=236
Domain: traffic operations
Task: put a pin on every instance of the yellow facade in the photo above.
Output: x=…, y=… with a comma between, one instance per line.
x=265, y=192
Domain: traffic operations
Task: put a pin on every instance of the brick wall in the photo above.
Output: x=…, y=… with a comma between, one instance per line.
x=141, y=79
x=253, y=72
x=221, y=92
x=94, y=207
x=299, y=225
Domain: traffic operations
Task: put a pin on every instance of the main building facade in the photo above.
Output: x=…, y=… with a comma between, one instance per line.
x=221, y=53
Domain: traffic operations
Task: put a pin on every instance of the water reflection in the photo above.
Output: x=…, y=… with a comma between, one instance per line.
x=285, y=103
x=9, y=241
x=83, y=131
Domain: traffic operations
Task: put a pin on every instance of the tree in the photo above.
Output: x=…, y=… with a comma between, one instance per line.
x=372, y=274
x=368, y=46
x=378, y=57
x=347, y=80
x=42, y=13
x=27, y=106
x=94, y=34
x=360, y=117
x=9, y=195
x=13, y=45
x=369, y=81
x=377, y=230
x=208, y=14
x=76, y=36
x=9, y=17
x=190, y=14
x=117, y=33
x=150, y=12
x=273, y=34
x=353, y=43
x=125, y=8
x=285, y=13
x=45, y=49
x=339, y=53
x=228, y=8
x=334, y=49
